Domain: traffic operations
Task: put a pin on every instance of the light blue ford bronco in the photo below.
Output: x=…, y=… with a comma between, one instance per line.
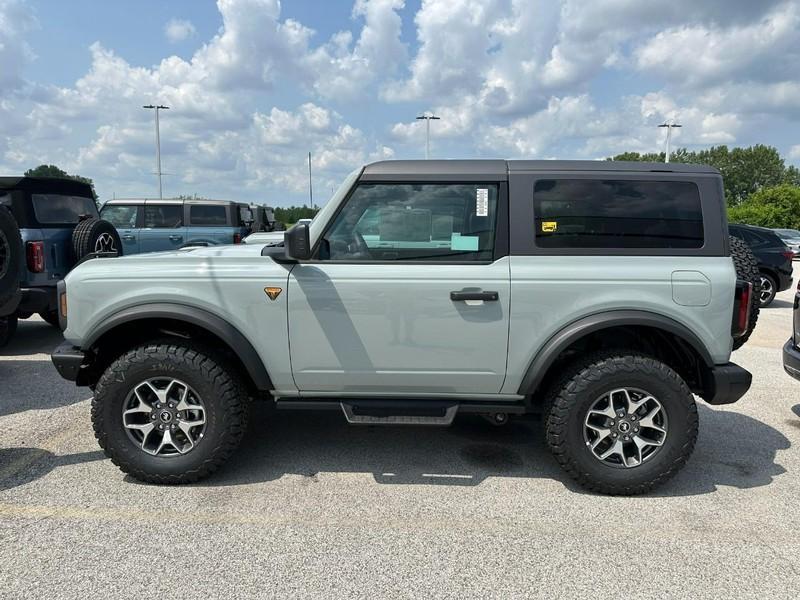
x=599, y=294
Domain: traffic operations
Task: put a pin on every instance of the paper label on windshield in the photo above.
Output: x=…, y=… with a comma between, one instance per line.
x=482, y=203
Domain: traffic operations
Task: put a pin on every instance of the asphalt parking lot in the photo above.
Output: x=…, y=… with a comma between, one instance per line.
x=310, y=507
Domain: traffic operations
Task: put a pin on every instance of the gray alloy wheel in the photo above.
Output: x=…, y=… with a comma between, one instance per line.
x=767, y=292
x=625, y=427
x=164, y=417
x=105, y=243
x=5, y=254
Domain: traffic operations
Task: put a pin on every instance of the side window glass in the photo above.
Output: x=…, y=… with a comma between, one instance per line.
x=165, y=216
x=425, y=222
x=121, y=217
x=589, y=213
x=207, y=215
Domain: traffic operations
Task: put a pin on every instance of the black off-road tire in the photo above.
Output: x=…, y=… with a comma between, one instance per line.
x=10, y=256
x=220, y=386
x=8, y=327
x=570, y=399
x=50, y=317
x=746, y=265
x=95, y=235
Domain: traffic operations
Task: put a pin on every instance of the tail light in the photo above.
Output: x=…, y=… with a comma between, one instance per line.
x=741, y=308
x=788, y=254
x=237, y=238
x=35, y=255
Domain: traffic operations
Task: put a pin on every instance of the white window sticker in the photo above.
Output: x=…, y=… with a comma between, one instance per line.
x=482, y=203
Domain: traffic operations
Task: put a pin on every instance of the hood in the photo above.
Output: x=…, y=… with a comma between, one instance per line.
x=231, y=251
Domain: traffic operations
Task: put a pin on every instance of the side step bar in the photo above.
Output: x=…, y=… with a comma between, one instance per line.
x=395, y=413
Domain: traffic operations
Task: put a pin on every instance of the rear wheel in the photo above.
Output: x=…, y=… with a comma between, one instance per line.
x=746, y=265
x=769, y=288
x=621, y=423
x=166, y=413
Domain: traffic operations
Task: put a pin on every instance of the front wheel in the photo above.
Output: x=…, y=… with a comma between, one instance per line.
x=166, y=413
x=621, y=423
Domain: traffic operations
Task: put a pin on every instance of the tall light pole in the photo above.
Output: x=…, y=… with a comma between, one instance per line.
x=428, y=119
x=669, y=124
x=158, y=146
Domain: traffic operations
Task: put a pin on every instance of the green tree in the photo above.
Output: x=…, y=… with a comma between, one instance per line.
x=292, y=214
x=744, y=170
x=777, y=206
x=54, y=171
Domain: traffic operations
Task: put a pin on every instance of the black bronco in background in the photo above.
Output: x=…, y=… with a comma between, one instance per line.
x=47, y=225
x=774, y=259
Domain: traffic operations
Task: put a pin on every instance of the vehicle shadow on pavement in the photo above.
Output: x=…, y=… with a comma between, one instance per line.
x=732, y=450
x=19, y=466
x=31, y=385
x=33, y=337
x=778, y=303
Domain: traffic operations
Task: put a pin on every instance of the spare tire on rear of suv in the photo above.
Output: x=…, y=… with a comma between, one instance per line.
x=10, y=256
x=746, y=269
x=95, y=235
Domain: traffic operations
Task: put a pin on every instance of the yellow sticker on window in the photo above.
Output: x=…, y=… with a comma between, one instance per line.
x=549, y=226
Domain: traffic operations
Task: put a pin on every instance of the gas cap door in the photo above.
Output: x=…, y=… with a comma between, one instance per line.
x=690, y=288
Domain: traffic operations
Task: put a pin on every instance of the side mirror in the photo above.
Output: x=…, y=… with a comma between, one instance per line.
x=297, y=242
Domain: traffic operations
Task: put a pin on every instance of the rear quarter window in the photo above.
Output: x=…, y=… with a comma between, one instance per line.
x=608, y=213
x=58, y=209
x=208, y=216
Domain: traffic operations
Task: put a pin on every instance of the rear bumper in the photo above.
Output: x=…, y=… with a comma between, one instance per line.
x=785, y=280
x=729, y=383
x=791, y=359
x=68, y=360
x=38, y=299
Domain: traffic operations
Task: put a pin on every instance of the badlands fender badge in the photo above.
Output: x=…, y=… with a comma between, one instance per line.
x=273, y=292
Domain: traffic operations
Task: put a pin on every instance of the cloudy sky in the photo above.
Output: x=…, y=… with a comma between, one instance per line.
x=254, y=85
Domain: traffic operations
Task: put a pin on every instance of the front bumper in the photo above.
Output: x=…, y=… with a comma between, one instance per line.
x=791, y=359
x=68, y=360
x=729, y=382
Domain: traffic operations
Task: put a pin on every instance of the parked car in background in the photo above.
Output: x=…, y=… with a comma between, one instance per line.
x=790, y=237
x=270, y=238
x=47, y=226
x=791, y=350
x=149, y=225
x=774, y=259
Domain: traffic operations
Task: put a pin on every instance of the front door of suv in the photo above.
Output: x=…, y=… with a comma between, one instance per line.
x=164, y=227
x=409, y=291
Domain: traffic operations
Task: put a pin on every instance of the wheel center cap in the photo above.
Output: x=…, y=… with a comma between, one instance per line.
x=624, y=426
x=165, y=416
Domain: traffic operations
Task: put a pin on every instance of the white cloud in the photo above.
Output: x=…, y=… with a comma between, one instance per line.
x=178, y=30
x=517, y=78
x=794, y=152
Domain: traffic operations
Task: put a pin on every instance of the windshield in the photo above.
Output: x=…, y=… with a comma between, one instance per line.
x=59, y=209
x=318, y=222
x=788, y=234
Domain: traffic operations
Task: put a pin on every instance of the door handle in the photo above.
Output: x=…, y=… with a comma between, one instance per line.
x=128, y=238
x=176, y=238
x=462, y=296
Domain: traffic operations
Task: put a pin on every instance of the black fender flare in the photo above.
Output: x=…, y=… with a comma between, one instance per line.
x=218, y=326
x=561, y=340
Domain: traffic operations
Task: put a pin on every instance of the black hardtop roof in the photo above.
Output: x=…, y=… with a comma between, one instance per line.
x=456, y=167
x=139, y=201
x=64, y=185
